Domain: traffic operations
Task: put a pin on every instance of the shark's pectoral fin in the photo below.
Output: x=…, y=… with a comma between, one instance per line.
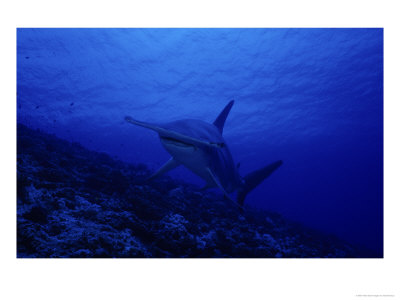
x=218, y=184
x=168, y=166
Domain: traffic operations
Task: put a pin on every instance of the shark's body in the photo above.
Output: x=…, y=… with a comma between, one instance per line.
x=201, y=148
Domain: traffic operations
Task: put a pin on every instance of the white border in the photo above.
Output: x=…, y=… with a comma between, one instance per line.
x=198, y=279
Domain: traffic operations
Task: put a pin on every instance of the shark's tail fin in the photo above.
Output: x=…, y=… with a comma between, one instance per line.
x=254, y=179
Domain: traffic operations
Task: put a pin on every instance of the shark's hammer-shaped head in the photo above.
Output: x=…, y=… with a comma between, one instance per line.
x=184, y=133
x=188, y=141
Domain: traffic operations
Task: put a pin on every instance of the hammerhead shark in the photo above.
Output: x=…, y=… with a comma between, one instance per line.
x=200, y=147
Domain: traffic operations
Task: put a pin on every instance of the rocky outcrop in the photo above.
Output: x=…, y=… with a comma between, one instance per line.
x=72, y=202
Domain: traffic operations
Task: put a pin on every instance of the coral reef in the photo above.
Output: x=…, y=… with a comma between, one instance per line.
x=72, y=202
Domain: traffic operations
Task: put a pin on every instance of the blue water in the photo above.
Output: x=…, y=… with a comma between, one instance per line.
x=311, y=97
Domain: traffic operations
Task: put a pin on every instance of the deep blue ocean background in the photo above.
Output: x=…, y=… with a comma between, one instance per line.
x=311, y=97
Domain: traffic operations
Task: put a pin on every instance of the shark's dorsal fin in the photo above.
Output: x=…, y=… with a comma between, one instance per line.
x=168, y=166
x=220, y=120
